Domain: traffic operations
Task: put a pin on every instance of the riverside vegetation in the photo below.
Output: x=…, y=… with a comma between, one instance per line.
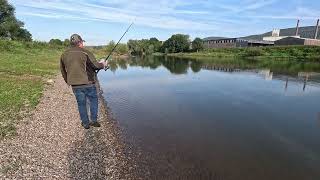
x=24, y=68
x=301, y=53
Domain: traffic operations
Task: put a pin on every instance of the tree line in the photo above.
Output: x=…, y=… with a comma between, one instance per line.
x=175, y=44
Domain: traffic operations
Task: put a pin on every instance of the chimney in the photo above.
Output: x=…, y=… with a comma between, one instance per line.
x=317, y=28
x=297, y=29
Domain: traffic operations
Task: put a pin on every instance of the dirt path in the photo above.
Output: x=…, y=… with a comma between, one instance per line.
x=51, y=144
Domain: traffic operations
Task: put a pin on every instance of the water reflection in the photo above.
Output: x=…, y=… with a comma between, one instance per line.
x=181, y=65
x=282, y=70
x=235, y=119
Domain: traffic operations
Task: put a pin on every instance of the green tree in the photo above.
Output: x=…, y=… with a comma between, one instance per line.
x=132, y=46
x=197, y=45
x=110, y=46
x=56, y=42
x=150, y=49
x=10, y=27
x=122, y=49
x=176, y=43
x=144, y=46
x=155, y=43
x=138, y=47
x=66, y=42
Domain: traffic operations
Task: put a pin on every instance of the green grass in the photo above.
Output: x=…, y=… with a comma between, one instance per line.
x=24, y=67
x=305, y=53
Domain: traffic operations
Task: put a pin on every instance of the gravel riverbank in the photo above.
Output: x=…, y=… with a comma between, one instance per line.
x=51, y=143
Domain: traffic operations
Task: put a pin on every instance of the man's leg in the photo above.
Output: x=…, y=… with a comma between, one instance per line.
x=93, y=99
x=82, y=105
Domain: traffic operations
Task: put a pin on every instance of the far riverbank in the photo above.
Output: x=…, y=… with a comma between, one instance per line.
x=300, y=53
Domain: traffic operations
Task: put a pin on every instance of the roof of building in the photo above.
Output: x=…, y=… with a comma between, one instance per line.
x=304, y=32
x=249, y=41
x=216, y=38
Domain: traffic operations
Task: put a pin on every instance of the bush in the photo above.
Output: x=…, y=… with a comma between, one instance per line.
x=253, y=52
x=56, y=42
x=197, y=45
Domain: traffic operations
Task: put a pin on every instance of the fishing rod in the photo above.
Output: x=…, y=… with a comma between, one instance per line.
x=105, y=60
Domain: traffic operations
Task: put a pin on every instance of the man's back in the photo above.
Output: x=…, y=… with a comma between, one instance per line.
x=78, y=66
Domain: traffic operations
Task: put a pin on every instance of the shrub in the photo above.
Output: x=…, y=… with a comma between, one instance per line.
x=253, y=52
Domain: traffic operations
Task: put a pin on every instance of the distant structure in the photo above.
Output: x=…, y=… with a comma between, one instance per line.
x=275, y=35
x=219, y=42
x=308, y=36
x=317, y=30
x=297, y=40
x=297, y=28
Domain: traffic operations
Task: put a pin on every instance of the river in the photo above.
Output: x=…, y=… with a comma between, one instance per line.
x=217, y=119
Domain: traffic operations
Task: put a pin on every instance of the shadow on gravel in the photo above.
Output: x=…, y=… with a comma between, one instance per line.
x=86, y=157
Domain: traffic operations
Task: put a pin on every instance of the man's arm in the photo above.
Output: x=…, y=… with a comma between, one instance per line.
x=63, y=70
x=92, y=62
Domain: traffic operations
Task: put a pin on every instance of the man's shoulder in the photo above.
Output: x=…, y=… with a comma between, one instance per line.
x=75, y=50
x=87, y=51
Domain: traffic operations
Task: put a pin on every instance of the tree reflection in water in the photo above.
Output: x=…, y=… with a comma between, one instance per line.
x=182, y=65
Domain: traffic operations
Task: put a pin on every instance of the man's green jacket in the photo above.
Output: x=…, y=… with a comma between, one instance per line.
x=78, y=66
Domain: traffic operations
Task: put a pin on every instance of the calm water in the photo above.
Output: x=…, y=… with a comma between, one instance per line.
x=191, y=119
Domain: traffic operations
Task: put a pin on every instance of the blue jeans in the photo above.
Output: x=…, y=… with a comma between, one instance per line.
x=83, y=95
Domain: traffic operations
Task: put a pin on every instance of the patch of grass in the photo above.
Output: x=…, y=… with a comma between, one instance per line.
x=13, y=166
x=17, y=94
x=33, y=62
x=23, y=70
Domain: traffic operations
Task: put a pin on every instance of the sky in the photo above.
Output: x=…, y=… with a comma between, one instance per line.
x=99, y=22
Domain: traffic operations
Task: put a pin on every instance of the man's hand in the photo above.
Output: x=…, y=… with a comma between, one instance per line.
x=104, y=62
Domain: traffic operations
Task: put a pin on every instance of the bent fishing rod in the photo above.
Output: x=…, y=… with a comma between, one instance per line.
x=106, y=59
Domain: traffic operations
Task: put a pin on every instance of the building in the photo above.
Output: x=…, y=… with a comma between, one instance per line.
x=297, y=41
x=223, y=42
x=214, y=42
x=275, y=36
x=291, y=36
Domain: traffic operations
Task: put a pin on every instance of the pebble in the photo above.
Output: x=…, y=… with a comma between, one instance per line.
x=51, y=143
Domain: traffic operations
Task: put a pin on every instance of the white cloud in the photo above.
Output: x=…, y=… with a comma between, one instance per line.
x=241, y=6
x=161, y=16
x=302, y=13
x=259, y=4
x=165, y=14
x=195, y=17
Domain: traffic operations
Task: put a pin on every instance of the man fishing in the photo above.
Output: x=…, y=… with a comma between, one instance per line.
x=78, y=68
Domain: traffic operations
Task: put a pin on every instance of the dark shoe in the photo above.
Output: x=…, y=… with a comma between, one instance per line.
x=86, y=126
x=95, y=124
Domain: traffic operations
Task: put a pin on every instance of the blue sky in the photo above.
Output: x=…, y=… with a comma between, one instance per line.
x=100, y=21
